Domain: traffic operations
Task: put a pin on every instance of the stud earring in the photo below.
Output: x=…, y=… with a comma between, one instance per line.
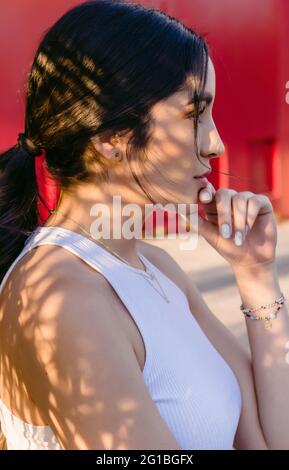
x=118, y=156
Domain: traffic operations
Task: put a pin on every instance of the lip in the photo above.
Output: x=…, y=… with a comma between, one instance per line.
x=203, y=175
x=203, y=181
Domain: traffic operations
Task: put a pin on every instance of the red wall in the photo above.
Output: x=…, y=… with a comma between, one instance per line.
x=22, y=23
x=248, y=46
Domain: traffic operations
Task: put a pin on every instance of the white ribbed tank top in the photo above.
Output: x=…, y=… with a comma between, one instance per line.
x=194, y=389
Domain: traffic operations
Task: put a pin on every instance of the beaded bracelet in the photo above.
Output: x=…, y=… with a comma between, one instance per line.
x=279, y=301
x=267, y=318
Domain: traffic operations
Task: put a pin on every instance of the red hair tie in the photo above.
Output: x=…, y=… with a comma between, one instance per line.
x=48, y=188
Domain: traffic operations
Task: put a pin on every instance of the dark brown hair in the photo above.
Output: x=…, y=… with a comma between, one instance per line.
x=98, y=69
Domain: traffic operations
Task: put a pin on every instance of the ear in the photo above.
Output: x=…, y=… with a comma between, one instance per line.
x=108, y=145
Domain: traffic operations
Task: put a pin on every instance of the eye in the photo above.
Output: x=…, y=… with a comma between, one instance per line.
x=192, y=115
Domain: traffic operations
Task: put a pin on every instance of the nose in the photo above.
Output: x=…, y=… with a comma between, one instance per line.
x=212, y=145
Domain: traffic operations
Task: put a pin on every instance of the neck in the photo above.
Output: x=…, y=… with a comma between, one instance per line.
x=73, y=212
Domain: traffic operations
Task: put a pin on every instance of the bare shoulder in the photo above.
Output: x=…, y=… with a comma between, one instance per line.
x=49, y=290
x=86, y=380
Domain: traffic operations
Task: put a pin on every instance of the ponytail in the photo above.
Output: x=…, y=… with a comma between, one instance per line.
x=18, y=203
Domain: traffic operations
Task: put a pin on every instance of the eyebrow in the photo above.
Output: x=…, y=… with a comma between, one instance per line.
x=207, y=97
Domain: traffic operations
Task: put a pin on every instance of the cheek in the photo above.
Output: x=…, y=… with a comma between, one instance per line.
x=171, y=136
x=176, y=153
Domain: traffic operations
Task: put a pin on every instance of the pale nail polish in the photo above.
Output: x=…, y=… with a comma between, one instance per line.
x=238, y=238
x=205, y=196
x=246, y=229
x=226, y=230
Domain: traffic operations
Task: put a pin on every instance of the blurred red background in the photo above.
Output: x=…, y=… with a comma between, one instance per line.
x=248, y=42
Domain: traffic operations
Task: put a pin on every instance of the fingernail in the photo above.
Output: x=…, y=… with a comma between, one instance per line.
x=226, y=230
x=246, y=229
x=205, y=196
x=238, y=238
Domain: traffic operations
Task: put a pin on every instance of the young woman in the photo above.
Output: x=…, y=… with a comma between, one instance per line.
x=106, y=343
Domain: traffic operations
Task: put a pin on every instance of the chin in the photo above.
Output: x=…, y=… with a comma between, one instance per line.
x=187, y=197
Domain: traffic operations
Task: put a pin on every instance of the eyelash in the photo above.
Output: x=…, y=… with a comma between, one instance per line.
x=192, y=115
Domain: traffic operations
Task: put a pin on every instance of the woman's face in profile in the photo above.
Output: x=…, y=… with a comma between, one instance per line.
x=172, y=144
x=172, y=163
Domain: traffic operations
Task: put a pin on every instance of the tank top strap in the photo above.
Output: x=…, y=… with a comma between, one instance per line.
x=77, y=244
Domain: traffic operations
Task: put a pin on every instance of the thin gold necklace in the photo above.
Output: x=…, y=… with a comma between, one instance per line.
x=147, y=274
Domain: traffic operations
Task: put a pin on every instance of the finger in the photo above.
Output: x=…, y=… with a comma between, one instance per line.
x=266, y=205
x=207, y=193
x=257, y=205
x=239, y=209
x=223, y=199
